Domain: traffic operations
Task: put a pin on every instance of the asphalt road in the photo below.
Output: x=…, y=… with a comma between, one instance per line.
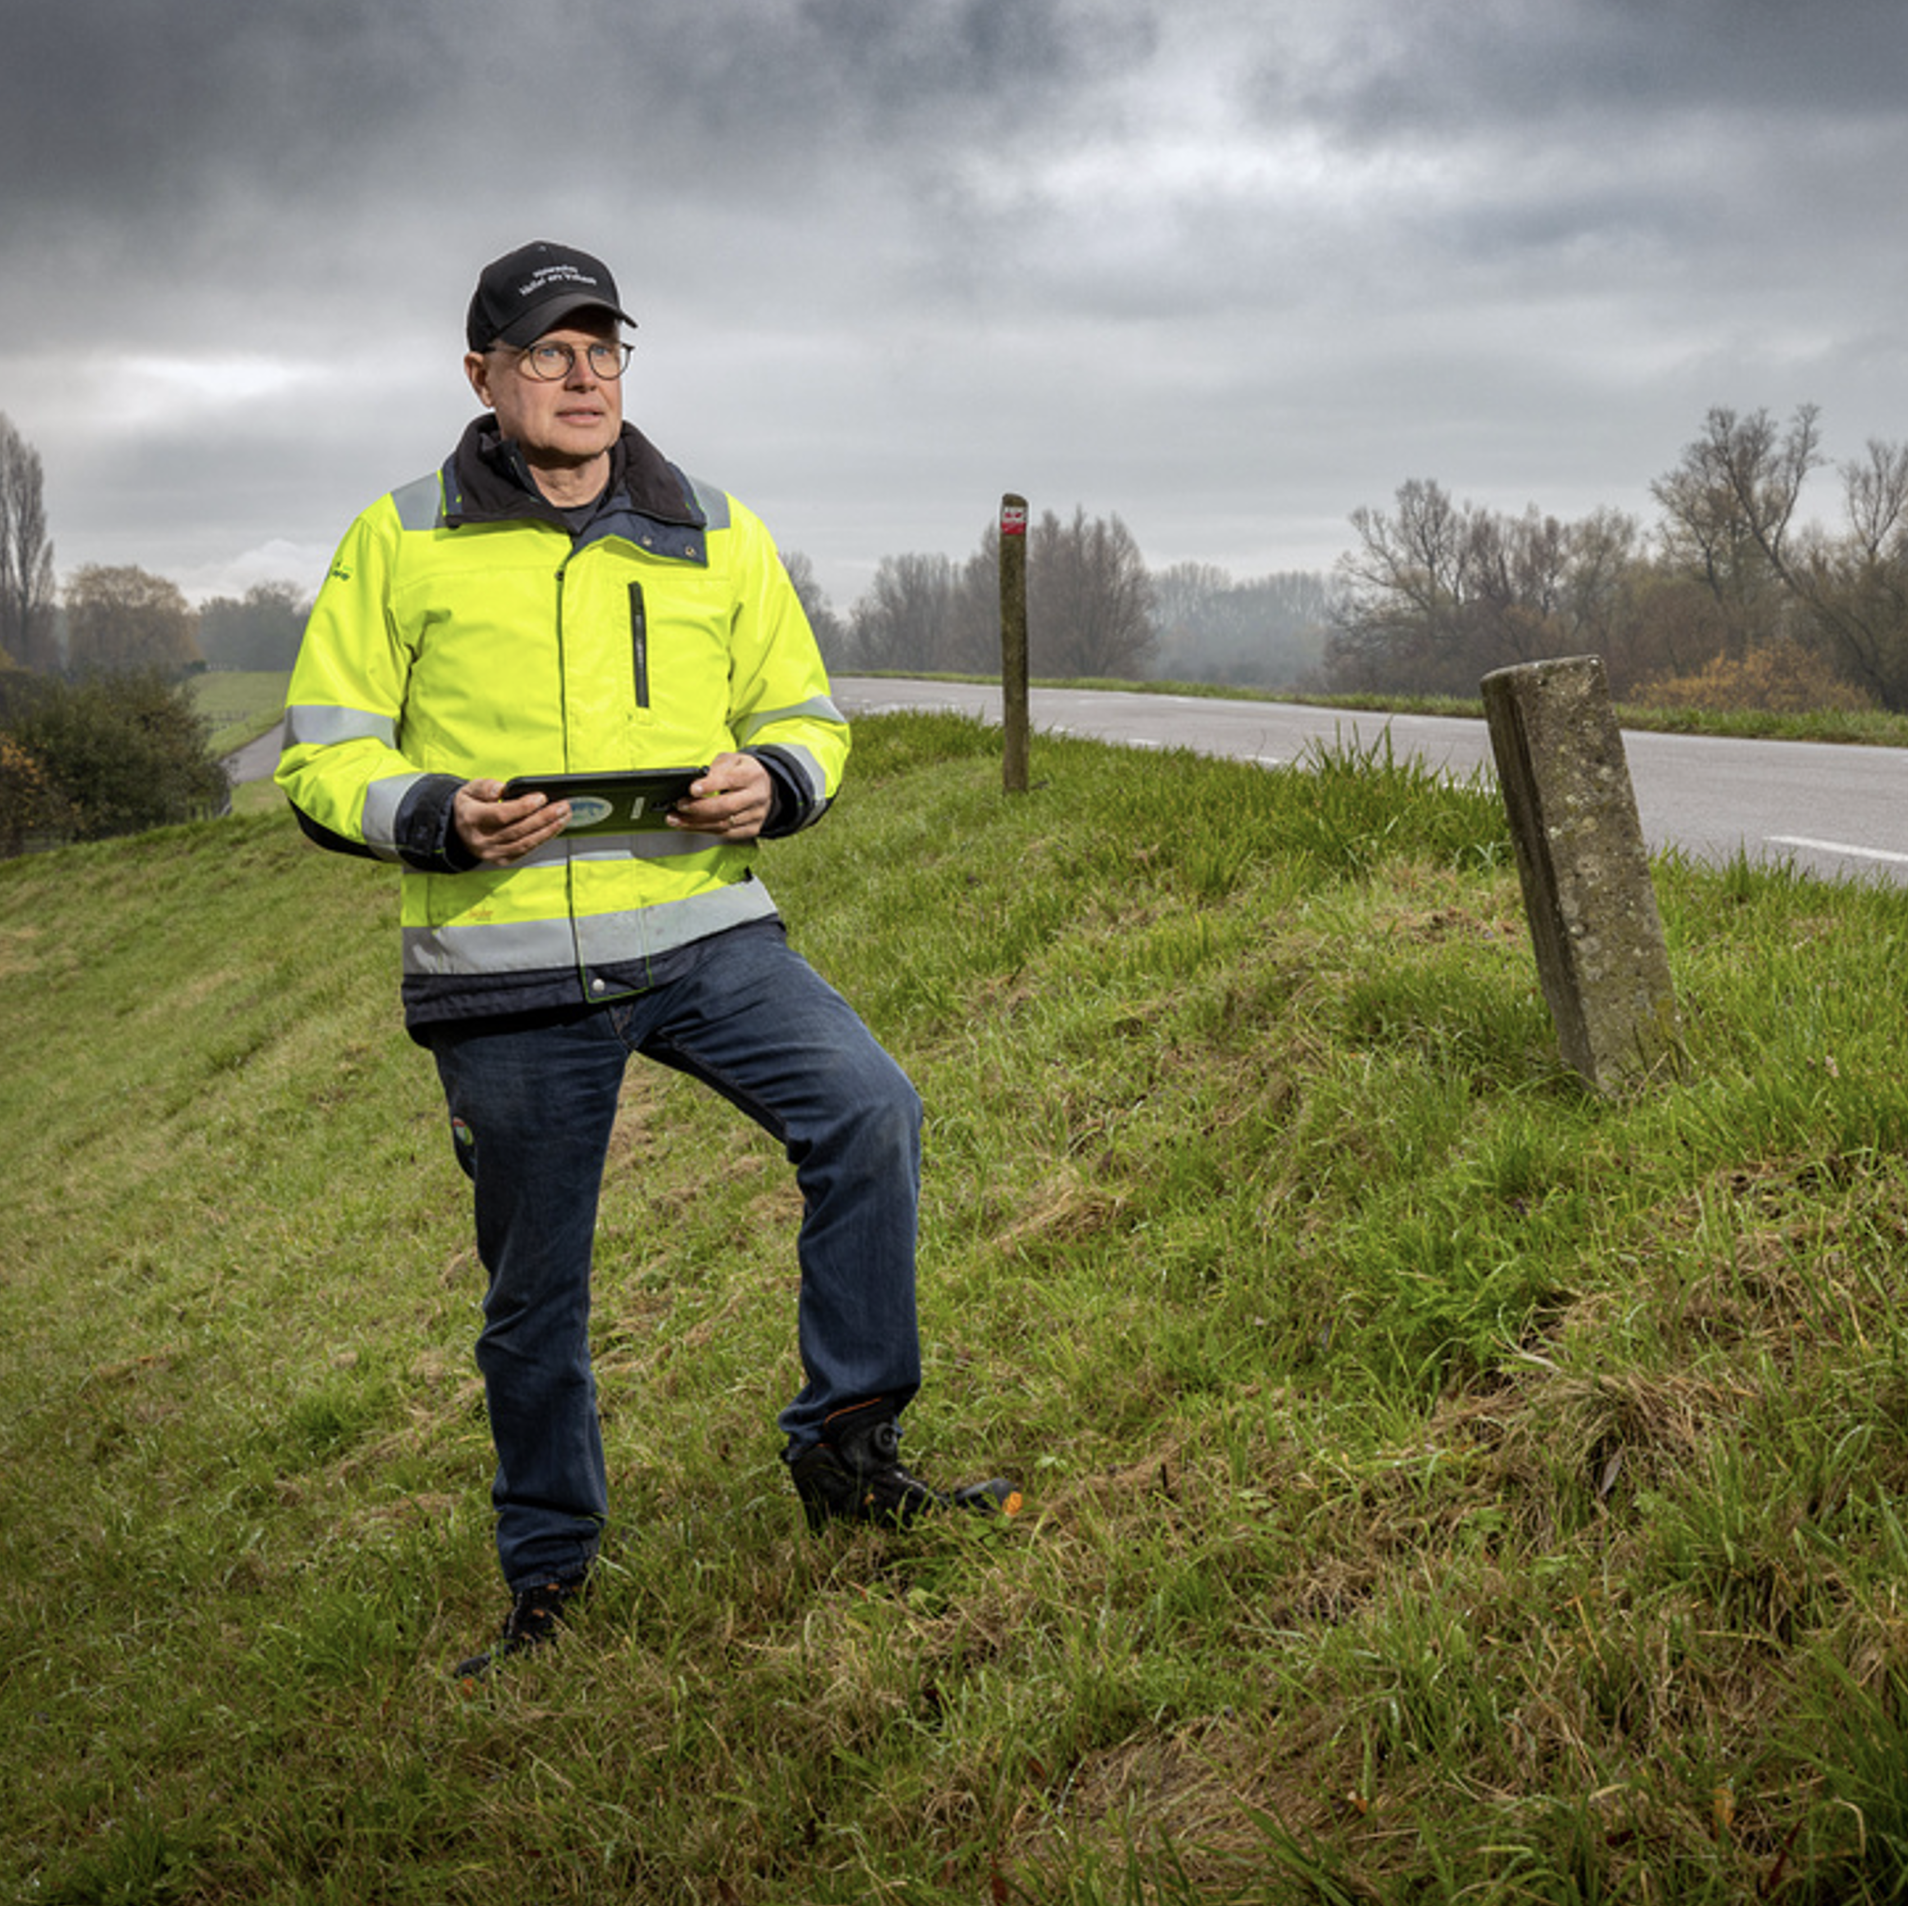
x=1838, y=813
x=256, y=760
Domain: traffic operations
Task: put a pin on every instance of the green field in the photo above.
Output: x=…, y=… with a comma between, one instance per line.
x=1442, y=1485
x=239, y=705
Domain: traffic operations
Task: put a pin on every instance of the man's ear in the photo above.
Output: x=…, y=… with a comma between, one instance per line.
x=477, y=369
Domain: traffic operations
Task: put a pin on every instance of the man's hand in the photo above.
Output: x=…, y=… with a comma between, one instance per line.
x=733, y=800
x=498, y=832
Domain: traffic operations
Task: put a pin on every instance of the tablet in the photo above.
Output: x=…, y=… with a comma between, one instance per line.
x=623, y=801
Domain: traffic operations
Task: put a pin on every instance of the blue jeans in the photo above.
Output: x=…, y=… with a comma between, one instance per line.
x=532, y=1104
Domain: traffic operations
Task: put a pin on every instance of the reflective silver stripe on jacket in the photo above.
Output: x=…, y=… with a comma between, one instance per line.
x=420, y=505
x=818, y=708
x=313, y=726
x=382, y=799
x=600, y=939
x=713, y=502
x=639, y=844
x=811, y=769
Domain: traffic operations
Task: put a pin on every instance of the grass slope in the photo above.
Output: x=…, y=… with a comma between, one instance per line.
x=1441, y=1485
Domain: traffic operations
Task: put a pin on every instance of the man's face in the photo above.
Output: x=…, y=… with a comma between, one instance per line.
x=566, y=422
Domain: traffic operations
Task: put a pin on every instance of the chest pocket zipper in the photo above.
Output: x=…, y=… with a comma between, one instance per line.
x=639, y=643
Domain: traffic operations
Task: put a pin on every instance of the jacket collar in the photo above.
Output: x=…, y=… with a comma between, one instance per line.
x=487, y=481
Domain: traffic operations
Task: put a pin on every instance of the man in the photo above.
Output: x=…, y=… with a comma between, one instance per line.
x=558, y=597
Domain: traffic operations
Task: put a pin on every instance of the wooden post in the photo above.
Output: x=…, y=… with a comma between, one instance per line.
x=1015, y=766
x=1585, y=870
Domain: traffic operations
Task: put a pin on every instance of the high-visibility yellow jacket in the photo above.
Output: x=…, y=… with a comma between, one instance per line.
x=468, y=629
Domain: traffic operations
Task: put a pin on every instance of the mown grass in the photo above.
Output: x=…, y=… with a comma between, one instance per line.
x=1442, y=1484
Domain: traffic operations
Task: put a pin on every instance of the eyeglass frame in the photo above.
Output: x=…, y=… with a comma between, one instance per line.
x=618, y=352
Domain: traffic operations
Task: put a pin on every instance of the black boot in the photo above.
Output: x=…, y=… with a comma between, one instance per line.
x=856, y=1476
x=535, y=1616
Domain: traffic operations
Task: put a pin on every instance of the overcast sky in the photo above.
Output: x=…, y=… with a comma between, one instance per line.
x=1226, y=268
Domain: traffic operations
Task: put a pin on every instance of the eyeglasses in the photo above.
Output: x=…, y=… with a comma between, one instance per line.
x=551, y=362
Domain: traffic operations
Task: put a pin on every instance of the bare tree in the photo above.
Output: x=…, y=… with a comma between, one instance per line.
x=1089, y=598
x=1516, y=577
x=1215, y=627
x=1439, y=594
x=1404, y=617
x=1729, y=506
x=973, y=629
x=1855, y=586
x=831, y=632
x=120, y=618
x=1875, y=495
x=259, y=630
x=906, y=618
x=26, y=557
x=1401, y=589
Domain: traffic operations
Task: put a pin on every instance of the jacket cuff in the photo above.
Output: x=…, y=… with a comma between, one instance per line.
x=426, y=834
x=790, y=806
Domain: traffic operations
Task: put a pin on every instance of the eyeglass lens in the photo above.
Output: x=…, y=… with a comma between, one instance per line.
x=552, y=361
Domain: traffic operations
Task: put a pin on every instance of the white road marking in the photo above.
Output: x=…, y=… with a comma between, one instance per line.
x=1837, y=847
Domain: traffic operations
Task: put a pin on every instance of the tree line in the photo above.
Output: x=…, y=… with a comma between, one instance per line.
x=98, y=732
x=1730, y=599
x=111, y=618
x=1094, y=609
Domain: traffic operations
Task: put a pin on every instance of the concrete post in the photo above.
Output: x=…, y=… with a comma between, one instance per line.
x=1016, y=765
x=1585, y=871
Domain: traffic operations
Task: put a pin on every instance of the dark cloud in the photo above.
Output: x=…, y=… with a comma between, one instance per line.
x=1458, y=67
x=297, y=151
x=129, y=117
x=1229, y=267
x=974, y=70
x=110, y=109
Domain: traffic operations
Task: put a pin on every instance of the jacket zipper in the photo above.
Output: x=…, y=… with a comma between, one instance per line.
x=639, y=643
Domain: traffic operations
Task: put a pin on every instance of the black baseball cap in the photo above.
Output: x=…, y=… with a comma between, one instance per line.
x=533, y=289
